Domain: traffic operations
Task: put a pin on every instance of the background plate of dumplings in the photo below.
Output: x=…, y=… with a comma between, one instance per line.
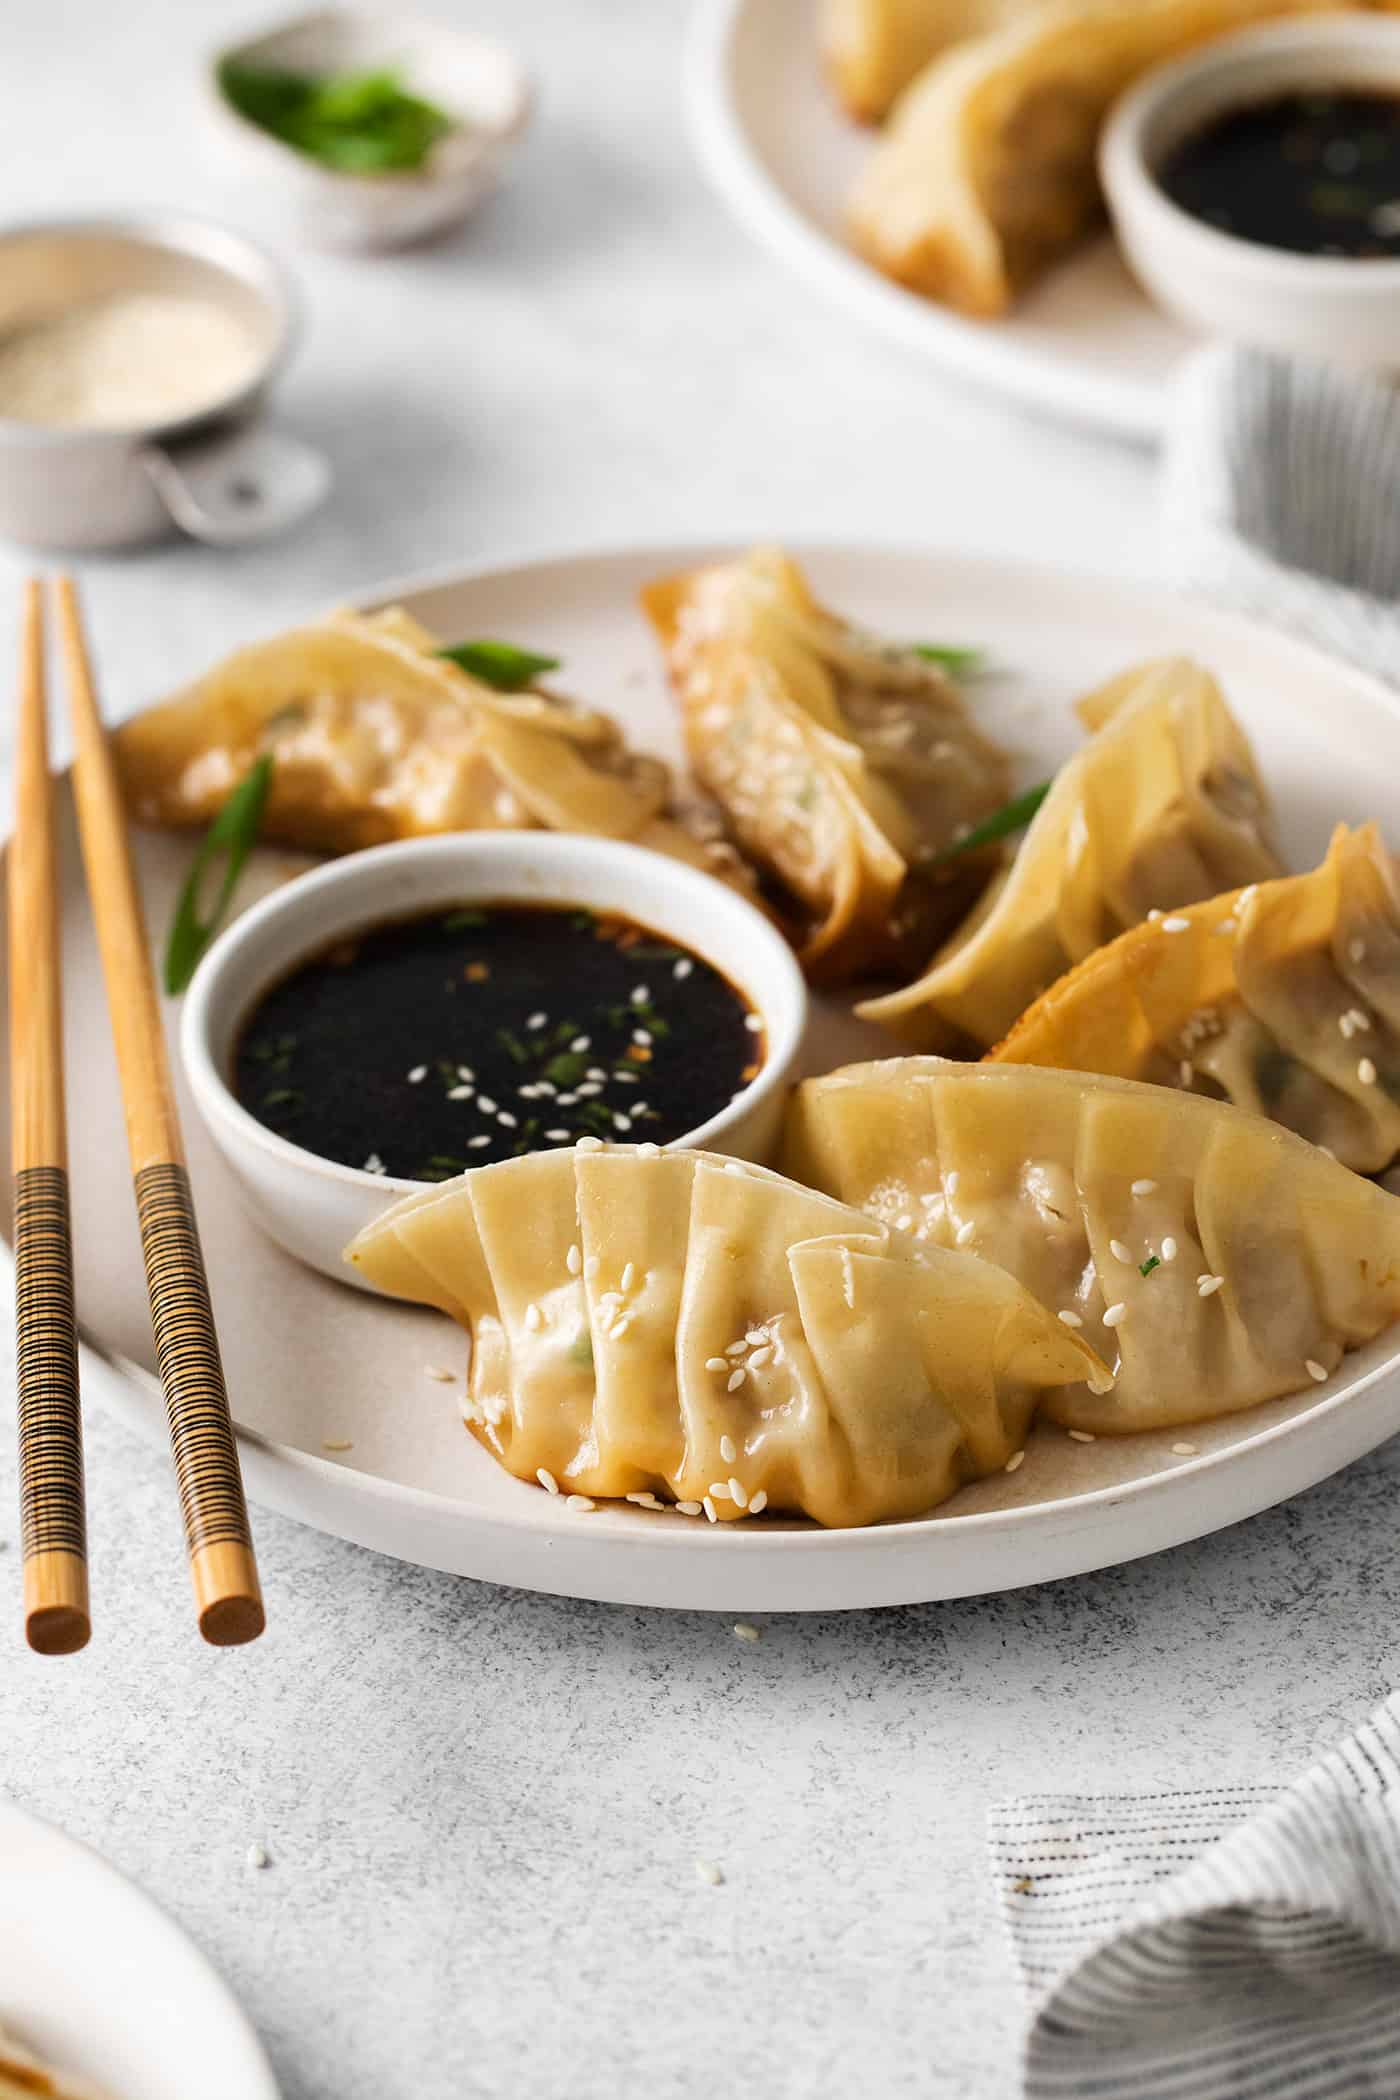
x=1086, y=344
x=350, y=1408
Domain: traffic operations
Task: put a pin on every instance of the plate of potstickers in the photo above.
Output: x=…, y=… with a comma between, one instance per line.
x=932, y=166
x=1070, y=1238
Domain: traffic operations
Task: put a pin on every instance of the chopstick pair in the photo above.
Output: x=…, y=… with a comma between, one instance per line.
x=53, y=1522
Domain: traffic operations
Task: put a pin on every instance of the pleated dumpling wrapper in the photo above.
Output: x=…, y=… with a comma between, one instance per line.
x=376, y=736
x=1163, y=806
x=845, y=767
x=874, y=48
x=1283, y=997
x=1224, y=1259
x=988, y=169
x=677, y=1325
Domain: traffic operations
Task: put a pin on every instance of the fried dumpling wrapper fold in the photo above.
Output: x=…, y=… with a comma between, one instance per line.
x=1218, y=1258
x=681, y=1326
x=1164, y=806
x=1283, y=998
x=376, y=736
x=845, y=767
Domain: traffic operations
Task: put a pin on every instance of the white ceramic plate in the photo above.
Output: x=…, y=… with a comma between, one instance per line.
x=1087, y=344
x=97, y=1979
x=310, y=1363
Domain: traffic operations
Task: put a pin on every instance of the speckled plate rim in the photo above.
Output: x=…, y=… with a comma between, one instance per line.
x=626, y=1558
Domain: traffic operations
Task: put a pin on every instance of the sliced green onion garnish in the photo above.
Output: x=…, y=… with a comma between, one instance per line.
x=231, y=835
x=500, y=664
x=1153, y=1261
x=1012, y=816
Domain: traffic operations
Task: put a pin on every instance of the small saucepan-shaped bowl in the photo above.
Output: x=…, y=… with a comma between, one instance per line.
x=312, y=1206
x=218, y=473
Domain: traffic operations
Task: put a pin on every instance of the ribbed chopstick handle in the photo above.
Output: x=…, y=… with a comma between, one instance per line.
x=53, y=1528
x=215, y=1515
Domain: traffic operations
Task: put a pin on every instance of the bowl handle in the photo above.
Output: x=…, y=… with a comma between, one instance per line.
x=238, y=485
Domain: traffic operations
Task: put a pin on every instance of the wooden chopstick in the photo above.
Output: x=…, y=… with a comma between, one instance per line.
x=53, y=1521
x=217, y=1537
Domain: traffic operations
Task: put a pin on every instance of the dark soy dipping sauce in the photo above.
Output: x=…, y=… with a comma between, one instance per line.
x=430, y=1044
x=1317, y=173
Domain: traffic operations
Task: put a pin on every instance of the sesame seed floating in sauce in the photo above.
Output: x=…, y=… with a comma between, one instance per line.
x=1115, y=1315
x=1316, y=1370
x=1184, y=1450
x=1144, y=1188
x=1015, y=1462
x=546, y=1480
x=758, y=1503
x=336, y=1057
x=1119, y=1252
x=1366, y=1072
x=1071, y=1319
x=1169, y=1248
x=727, y=1451
x=1175, y=925
x=1082, y=1436
x=1207, y=1286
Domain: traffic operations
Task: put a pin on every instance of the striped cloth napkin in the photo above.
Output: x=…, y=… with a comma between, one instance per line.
x=1281, y=492
x=1234, y=1944
x=1241, y=1943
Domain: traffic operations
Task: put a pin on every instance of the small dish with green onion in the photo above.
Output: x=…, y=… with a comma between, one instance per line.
x=380, y=129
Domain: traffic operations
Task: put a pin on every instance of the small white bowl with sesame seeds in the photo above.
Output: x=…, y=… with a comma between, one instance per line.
x=313, y=1206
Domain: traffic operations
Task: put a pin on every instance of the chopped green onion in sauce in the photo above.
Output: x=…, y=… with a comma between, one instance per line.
x=427, y=1045
x=1314, y=171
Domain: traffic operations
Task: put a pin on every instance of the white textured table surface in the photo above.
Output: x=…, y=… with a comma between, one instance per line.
x=483, y=1808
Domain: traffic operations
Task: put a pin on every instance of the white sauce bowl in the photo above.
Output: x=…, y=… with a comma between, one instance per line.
x=313, y=1206
x=1336, y=307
